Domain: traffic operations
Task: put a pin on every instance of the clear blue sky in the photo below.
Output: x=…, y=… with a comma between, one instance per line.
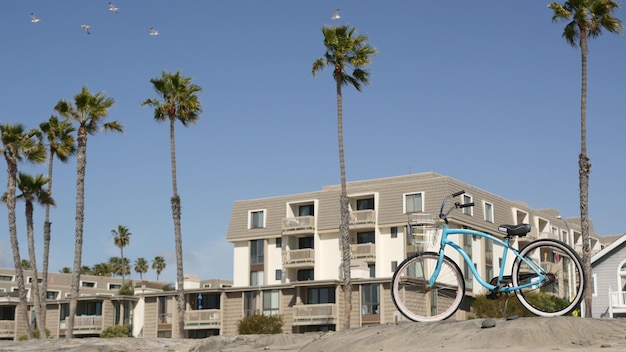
x=486, y=92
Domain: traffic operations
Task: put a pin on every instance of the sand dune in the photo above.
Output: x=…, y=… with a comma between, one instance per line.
x=524, y=334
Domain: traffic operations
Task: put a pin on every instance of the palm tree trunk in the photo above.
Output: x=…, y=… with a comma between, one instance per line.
x=583, y=173
x=344, y=226
x=178, y=238
x=30, y=233
x=123, y=263
x=81, y=165
x=47, y=228
x=21, y=289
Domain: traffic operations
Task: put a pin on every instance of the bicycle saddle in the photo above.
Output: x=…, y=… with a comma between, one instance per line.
x=520, y=230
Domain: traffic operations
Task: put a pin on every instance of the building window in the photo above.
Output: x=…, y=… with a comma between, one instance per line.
x=372, y=268
x=208, y=301
x=370, y=302
x=256, y=252
x=320, y=295
x=278, y=274
x=257, y=219
x=114, y=286
x=394, y=232
x=306, y=275
x=488, y=260
x=279, y=242
x=271, y=303
x=365, y=237
x=413, y=203
x=365, y=204
x=306, y=210
x=256, y=278
x=467, y=272
x=87, y=284
x=488, y=212
x=6, y=278
x=306, y=242
x=468, y=210
x=251, y=303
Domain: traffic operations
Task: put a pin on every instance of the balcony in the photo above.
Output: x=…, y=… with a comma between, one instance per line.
x=617, y=302
x=7, y=329
x=85, y=324
x=203, y=319
x=360, y=219
x=298, y=225
x=315, y=314
x=299, y=258
x=365, y=251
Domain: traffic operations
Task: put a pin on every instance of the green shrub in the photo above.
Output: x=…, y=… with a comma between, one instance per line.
x=260, y=324
x=115, y=331
x=493, y=308
x=127, y=289
x=35, y=335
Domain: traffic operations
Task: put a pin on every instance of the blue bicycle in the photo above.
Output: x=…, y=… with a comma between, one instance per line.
x=547, y=275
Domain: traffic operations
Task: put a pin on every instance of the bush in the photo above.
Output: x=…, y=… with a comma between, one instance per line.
x=116, y=331
x=260, y=324
x=35, y=335
x=127, y=289
x=492, y=308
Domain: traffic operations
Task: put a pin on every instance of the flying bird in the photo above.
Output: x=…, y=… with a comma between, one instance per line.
x=153, y=31
x=86, y=28
x=33, y=18
x=336, y=15
x=113, y=8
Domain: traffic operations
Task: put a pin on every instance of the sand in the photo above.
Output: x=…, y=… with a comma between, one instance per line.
x=564, y=334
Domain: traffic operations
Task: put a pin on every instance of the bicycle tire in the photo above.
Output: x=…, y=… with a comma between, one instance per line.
x=415, y=300
x=562, y=293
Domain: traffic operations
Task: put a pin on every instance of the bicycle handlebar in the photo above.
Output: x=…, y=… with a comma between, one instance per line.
x=443, y=215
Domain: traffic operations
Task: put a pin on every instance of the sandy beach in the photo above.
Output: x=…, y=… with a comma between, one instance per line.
x=524, y=334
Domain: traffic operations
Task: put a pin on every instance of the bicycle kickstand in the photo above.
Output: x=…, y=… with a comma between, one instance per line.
x=506, y=302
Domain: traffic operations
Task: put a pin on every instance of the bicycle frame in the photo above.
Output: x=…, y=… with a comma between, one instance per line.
x=444, y=242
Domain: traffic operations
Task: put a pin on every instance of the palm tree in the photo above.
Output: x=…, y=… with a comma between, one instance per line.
x=59, y=137
x=122, y=239
x=17, y=145
x=158, y=265
x=586, y=19
x=102, y=269
x=32, y=189
x=87, y=112
x=141, y=267
x=26, y=264
x=345, y=50
x=179, y=102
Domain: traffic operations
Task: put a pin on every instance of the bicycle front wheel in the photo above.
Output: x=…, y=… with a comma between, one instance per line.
x=558, y=289
x=419, y=302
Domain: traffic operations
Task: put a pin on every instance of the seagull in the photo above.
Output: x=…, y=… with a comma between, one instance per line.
x=336, y=15
x=153, y=31
x=112, y=7
x=86, y=28
x=33, y=18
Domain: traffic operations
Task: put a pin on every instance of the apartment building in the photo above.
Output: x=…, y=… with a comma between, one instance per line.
x=287, y=261
x=287, y=249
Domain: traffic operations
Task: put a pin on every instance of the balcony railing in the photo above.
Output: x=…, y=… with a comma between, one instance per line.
x=85, y=324
x=7, y=328
x=299, y=224
x=299, y=258
x=362, y=218
x=315, y=314
x=617, y=302
x=202, y=319
x=363, y=251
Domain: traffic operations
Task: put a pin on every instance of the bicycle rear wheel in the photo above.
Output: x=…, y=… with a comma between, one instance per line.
x=560, y=289
x=418, y=302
